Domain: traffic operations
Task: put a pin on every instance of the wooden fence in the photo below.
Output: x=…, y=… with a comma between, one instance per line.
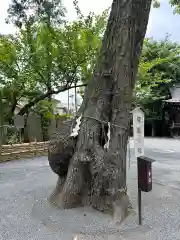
x=24, y=150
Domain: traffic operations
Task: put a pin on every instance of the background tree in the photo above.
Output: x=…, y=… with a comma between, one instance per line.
x=158, y=72
x=16, y=81
x=69, y=60
x=23, y=12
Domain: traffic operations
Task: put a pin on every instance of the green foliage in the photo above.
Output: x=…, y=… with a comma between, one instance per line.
x=156, y=3
x=16, y=81
x=159, y=69
x=175, y=4
x=12, y=137
x=63, y=116
x=46, y=56
x=49, y=54
x=84, y=37
x=21, y=12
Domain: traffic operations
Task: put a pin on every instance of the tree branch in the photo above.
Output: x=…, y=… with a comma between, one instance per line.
x=45, y=95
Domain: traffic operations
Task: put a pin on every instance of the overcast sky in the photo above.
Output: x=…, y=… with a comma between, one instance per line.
x=161, y=20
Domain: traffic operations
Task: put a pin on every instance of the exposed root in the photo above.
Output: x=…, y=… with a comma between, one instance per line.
x=55, y=197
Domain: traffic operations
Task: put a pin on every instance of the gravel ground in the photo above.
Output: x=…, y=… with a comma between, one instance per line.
x=25, y=213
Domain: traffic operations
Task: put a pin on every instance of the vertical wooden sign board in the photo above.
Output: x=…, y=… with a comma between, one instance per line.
x=30, y=127
x=34, y=127
x=19, y=124
x=19, y=121
x=138, y=135
x=38, y=127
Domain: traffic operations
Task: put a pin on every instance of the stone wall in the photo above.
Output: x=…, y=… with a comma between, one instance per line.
x=24, y=150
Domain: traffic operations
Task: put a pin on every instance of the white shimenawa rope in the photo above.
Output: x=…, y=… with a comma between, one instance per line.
x=78, y=123
x=75, y=131
x=76, y=128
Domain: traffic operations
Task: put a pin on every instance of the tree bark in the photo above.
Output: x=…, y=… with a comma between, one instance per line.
x=96, y=176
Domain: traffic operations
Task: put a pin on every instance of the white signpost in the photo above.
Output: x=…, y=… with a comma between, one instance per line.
x=138, y=131
x=138, y=134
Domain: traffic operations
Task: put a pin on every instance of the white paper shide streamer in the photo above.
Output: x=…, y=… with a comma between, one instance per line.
x=76, y=128
x=108, y=136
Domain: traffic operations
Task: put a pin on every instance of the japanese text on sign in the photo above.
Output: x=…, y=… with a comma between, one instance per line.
x=138, y=131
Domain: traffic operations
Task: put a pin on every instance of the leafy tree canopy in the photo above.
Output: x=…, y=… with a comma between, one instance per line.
x=44, y=58
x=31, y=11
x=159, y=70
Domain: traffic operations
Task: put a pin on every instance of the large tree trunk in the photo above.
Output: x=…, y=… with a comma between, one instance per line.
x=89, y=173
